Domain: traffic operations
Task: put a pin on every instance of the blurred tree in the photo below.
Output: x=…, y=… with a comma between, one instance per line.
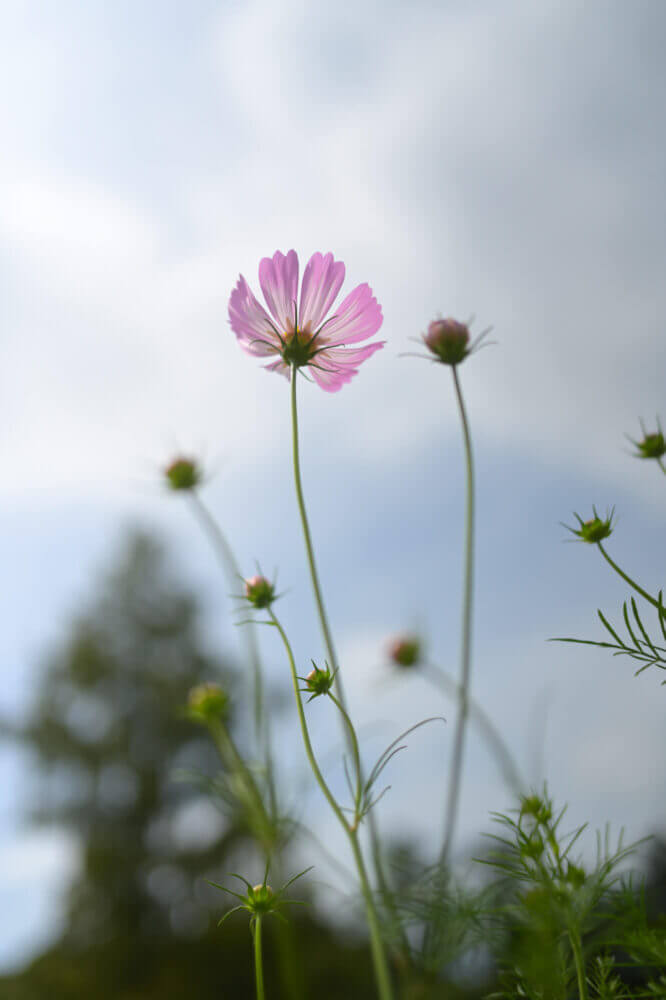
x=109, y=733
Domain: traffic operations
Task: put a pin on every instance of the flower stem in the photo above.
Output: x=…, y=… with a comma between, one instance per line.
x=577, y=950
x=356, y=754
x=330, y=651
x=258, y=959
x=627, y=579
x=230, y=566
x=487, y=727
x=382, y=975
x=314, y=577
x=466, y=643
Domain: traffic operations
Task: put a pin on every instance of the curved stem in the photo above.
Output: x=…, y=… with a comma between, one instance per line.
x=377, y=946
x=356, y=754
x=258, y=959
x=627, y=579
x=230, y=565
x=579, y=963
x=321, y=781
x=466, y=643
x=382, y=881
x=486, y=726
x=661, y=465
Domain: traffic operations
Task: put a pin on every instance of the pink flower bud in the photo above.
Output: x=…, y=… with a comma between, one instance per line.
x=259, y=591
x=448, y=340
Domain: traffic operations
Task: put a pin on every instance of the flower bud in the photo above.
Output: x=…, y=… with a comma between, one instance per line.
x=182, y=474
x=259, y=591
x=405, y=651
x=448, y=340
x=261, y=899
x=652, y=446
x=319, y=681
x=207, y=702
x=594, y=530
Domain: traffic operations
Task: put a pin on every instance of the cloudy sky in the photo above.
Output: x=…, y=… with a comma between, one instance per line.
x=502, y=160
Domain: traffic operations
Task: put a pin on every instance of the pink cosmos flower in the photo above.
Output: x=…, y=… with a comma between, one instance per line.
x=303, y=334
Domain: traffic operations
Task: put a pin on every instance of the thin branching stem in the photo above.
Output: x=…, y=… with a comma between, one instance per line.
x=577, y=950
x=466, y=640
x=356, y=755
x=487, y=727
x=234, y=577
x=375, y=846
x=627, y=579
x=382, y=974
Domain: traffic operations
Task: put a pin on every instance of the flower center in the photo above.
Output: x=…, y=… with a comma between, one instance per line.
x=299, y=348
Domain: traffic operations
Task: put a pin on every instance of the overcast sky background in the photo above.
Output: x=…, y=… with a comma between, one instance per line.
x=505, y=160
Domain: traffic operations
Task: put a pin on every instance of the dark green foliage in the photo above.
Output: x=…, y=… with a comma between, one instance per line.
x=110, y=733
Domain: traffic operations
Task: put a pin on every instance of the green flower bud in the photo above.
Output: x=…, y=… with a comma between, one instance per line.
x=595, y=529
x=319, y=681
x=261, y=899
x=207, y=702
x=652, y=446
x=182, y=474
x=259, y=591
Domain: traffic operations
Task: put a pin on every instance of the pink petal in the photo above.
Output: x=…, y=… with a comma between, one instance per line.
x=280, y=367
x=278, y=277
x=335, y=367
x=322, y=280
x=357, y=318
x=250, y=321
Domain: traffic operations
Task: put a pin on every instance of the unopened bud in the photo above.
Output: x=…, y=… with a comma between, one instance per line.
x=259, y=591
x=448, y=340
x=182, y=474
x=207, y=702
x=405, y=651
x=319, y=681
x=652, y=446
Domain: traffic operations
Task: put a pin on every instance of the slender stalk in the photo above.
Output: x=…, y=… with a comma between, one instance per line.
x=382, y=881
x=661, y=465
x=577, y=950
x=627, y=579
x=234, y=761
x=487, y=727
x=234, y=576
x=356, y=754
x=382, y=975
x=314, y=576
x=466, y=642
x=258, y=959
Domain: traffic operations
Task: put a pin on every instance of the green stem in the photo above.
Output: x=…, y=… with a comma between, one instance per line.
x=486, y=726
x=258, y=959
x=356, y=754
x=319, y=600
x=380, y=963
x=382, y=881
x=577, y=950
x=230, y=565
x=466, y=643
x=233, y=760
x=661, y=465
x=627, y=579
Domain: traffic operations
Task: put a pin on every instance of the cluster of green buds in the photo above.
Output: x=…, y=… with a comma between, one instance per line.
x=207, y=703
x=405, y=650
x=595, y=529
x=259, y=591
x=652, y=445
x=319, y=681
x=182, y=474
